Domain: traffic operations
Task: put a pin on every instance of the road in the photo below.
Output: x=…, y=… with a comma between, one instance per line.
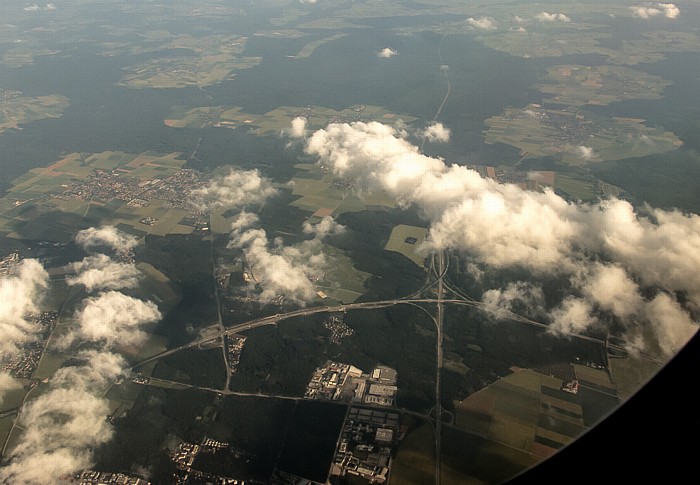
x=441, y=270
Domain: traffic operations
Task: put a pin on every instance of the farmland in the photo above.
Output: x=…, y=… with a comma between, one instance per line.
x=525, y=410
x=140, y=194
x=213, y=59
x=576, y=85
x=278, y=120
x=322, y=194
x=16, y=109
x=576, y=138
x=407, y=240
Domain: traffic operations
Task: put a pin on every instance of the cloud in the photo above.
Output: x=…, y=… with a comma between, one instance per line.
x=586, y=153
x=32, y=8
x=50, y=6
x=237, y=189
x=669, y=10
x=20, y=294
x=436, y=132
x=516, y=297
x=281, y=270
x=298, y=127
x=573, y=316
x=101, y=272
x=609, y=288
x=65, y=424
x=482, y=23
x=387, y=52
x=112, y=318
x=552, y=17
x=672, y=325
x=645, y=12
x=106, y=236
x=7, y=384
x=503, y=226
x=326, y=227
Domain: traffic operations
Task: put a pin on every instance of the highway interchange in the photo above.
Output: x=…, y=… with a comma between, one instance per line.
x=432, y=293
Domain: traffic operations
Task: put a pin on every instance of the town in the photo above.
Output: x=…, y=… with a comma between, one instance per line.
x=117, y=185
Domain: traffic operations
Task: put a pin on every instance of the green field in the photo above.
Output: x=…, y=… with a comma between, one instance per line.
x=631, y=373
x=522, y=411
x=34, y=207
x=575, y=85
x=577, y=139
x=309, y=48
x=324, y=195
x=16, y=110
x=415, y=459
x=279, y=120
x=213, y=59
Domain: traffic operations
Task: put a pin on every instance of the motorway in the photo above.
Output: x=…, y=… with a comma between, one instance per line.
x=440, y=272
x=436, y=282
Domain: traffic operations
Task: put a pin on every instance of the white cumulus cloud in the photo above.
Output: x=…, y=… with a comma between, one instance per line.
x=20, y=293
x=501, y=225
x=586, y=153
x=112, y=318
x=436, y=132
x=669, y=10
x=387, y=52
x=482, y=23
x=281, y=270
x=65, y=424
x=238, y=188
x=106, y=236
x=7, y=384
x=552, y=17
x=101, y=272
x=298, y=129
x=503, y=302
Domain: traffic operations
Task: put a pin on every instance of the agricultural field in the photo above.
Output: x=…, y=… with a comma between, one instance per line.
x=16, y=110
x=309, y=48
x=342, y=281
x=577, y=187
x=525, y=410
x=17, y=57
x=631, y=372
x=280, y=119
x=213, y=60
x=140, y=194
x=415, y=458
x=576, y=85
x=407, y=240
x=579, y=138
x=324, y=195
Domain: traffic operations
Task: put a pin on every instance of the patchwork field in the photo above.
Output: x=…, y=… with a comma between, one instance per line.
x=577, y=138
x=214, y=59
x=524, y=410
x=324, y=195
x=140, y=194
x=16, y=110
x=280, y=119
x=576, y=85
